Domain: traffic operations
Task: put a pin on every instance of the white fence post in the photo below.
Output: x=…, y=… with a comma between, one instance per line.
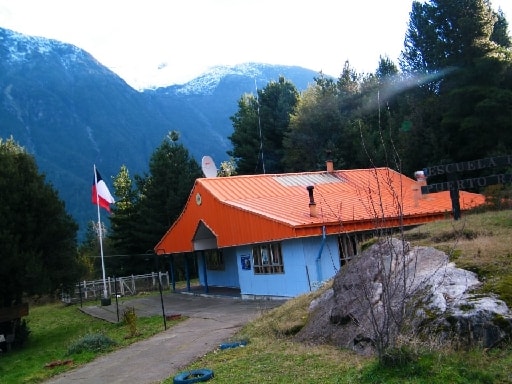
x=92, y=288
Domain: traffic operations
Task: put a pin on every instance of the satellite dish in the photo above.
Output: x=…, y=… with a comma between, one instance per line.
x=209, y=167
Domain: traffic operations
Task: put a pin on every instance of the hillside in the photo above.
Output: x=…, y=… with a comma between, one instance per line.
x=478, y=242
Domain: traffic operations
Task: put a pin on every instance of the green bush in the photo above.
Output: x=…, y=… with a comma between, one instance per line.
x=95, y=342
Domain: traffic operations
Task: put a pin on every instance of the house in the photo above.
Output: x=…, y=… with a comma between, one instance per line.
x=281, y=235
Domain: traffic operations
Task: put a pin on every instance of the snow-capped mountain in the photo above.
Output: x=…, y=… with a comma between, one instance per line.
x=71, y=112
x=207, y=83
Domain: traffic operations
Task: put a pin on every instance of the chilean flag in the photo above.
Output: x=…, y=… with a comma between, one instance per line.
x=100, y=193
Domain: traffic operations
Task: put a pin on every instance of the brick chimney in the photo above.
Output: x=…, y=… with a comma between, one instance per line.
x=329, y=163
x=330, y=166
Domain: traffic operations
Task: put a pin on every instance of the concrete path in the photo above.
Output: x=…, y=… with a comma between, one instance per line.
x=211, y=322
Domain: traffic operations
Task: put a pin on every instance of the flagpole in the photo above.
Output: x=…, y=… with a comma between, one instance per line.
x=105, y=295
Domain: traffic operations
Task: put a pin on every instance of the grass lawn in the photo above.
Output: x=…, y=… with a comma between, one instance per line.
x=56, y=327
x=479, y=242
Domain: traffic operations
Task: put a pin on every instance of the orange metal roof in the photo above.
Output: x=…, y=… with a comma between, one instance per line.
x=258, y=208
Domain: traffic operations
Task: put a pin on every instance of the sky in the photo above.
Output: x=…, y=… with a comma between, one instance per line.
x=154, y=43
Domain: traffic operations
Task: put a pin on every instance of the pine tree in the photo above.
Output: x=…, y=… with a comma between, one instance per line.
x=457, y=50
x=260, y=125
x=164, y=192
x=37, y=236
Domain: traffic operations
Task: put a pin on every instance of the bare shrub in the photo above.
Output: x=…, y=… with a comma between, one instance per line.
x=130, y=318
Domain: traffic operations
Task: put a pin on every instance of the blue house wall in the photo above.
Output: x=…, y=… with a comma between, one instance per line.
x=221, y=278
x=321, y=258
x=303, y=268
x=307, y=263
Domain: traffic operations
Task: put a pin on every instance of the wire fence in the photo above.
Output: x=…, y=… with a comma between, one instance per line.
x=117, y=286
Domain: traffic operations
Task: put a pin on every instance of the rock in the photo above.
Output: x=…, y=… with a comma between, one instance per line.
x=327, y=295
x=392, y=290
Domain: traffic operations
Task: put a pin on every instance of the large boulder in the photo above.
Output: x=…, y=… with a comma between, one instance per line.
x=392, y=292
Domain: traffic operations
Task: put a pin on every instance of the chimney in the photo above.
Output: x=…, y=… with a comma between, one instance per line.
x=421, y=180
x=328, y=163
x=312, y=204
x=420, y=177
x=329, y=166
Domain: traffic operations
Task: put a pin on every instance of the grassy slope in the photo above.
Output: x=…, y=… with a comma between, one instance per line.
x=478, y=242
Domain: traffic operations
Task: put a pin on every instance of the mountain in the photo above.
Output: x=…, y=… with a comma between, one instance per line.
x=200, y=109
x=71, y=112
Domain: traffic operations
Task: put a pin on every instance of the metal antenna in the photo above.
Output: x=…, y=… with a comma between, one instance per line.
x=259, y=127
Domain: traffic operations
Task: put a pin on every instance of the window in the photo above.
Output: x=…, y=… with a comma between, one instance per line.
x=267, y=258
x=214, y=259
x=347, y=245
